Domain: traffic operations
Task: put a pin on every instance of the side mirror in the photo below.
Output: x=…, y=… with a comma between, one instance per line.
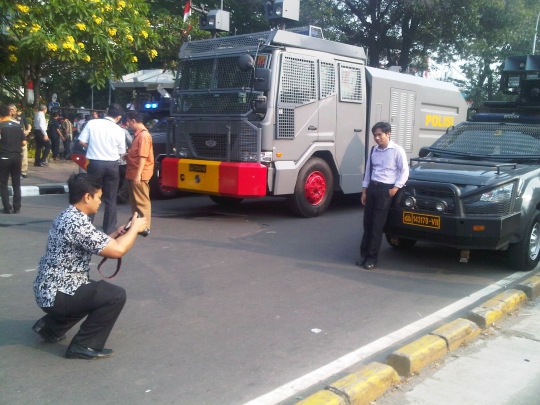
x=245, y=62
x=423, y=152
x=262, y=79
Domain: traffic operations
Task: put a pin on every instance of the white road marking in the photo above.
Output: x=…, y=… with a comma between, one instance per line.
x=30, y=270
x=292, y=388
x=6, y=275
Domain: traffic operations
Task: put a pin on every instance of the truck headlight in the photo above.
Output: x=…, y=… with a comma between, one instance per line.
x=499, y=194
x=183, y=152
x=266, y=157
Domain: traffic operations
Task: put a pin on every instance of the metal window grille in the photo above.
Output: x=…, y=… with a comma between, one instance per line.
x=327, y=77
x=350, y=83
x=225, y=43
x=218, y=73
x=297, y=81
x=231, y=141
x=286, y=123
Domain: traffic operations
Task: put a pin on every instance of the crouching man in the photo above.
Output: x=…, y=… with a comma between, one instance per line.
x=62, y=287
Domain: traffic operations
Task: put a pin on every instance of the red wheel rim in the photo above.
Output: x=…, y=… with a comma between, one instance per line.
x=315, y=188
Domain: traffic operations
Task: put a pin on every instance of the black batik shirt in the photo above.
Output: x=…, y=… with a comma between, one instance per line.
x=66, y=263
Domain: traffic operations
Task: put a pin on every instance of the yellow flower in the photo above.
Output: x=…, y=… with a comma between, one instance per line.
x=127, y=30
x=81, y=26
x=121, y=4
x=35, y=28
x=136, y=12
x=98, y=20
x=12, y=58
x=129, y=37
x=81, y=45
x=68, y=45
x=108, y=7
x=144, y=34
x=112, y=32
x=71, y=39
x=52, y=47
x=134, y=59
x=147, y=23
x=12, y=48
x=23, y=9
x=152, y=53
x=86, y=58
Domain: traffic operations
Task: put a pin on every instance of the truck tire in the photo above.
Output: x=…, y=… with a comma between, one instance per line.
x=313, y=190
x=157, y=190
x=400, y=243
x=225, y=201
x=525, y=254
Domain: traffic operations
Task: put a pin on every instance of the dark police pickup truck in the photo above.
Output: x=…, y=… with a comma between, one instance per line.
x=478, y=186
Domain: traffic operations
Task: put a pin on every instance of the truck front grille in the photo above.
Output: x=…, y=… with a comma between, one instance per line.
x=426, y=198
x=474, y=207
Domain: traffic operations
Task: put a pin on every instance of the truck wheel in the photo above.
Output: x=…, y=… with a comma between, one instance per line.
x=225, y=201
x=400, y=243
x=158, y=191
x=313, y=190
x=525, y=254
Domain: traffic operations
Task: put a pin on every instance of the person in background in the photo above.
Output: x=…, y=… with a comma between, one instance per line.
x=67, y=132
x=131, y=105
x=123, y=186
x=78, y=125
x=95, y=115
x=105, y=143
x=140, y=166
x=387, y=171
x=63, y=289
x=13, y=139
x=20, y=118
x=55, y=134
x=43, y=143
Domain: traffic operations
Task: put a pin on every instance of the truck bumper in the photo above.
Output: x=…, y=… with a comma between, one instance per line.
x=229, y=179
x=491, y=233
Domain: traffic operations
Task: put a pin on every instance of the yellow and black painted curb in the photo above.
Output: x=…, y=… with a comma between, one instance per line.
x=372, y=381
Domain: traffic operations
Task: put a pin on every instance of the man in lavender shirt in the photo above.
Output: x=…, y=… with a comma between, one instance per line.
x=386, y=172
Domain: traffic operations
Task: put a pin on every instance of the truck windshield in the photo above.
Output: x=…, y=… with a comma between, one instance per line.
x=214, y=86
x=491, y=140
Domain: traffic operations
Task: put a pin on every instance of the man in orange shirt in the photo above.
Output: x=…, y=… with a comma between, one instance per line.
x=140, y=166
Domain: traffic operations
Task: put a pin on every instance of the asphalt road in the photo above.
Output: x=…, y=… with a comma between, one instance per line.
x=222, y=303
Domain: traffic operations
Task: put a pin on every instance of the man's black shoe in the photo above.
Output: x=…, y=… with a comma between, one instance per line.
x=6, y=211
x=361, y=262
x=16, y=211
x=78, y=352
x=24, y=175
x=370, y=265
x=37, y=164
x=46, y=334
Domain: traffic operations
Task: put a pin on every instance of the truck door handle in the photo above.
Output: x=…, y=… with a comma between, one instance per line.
x=357, y=130
x=312, y=128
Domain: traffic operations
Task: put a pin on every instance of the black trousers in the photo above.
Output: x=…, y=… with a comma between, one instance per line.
x=378, y=202
x=10, y=165
x=42, y=145
x=55, y=144
x=99, y=301
x=67, y=148
x=108, y=172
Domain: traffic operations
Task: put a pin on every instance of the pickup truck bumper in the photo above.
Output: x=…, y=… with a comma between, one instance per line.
x=461, y=232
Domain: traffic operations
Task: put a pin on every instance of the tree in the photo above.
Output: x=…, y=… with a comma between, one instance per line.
x=99, y=37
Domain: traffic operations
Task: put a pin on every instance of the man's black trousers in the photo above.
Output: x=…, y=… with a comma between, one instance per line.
x=378, y=202
x=10, y=165
x=109, y=173
x=99, y=301
x=42, y=145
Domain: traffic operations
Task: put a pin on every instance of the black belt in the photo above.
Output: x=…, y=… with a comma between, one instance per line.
x=380, y=184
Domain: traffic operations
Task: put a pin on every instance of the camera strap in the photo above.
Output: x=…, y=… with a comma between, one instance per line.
x=118, y=265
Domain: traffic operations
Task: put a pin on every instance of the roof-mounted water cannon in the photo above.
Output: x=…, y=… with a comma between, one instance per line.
x=521, y=76
x=280, y=11
x=212, y=20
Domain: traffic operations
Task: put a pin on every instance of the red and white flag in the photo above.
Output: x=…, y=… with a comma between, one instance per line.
x=187, y=10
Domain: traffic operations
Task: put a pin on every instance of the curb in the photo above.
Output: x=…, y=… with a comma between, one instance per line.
x=41, y=189
x=375, y=379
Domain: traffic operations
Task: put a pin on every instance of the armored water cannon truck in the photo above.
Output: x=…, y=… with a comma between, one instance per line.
x=288, y=113
x=478, y=186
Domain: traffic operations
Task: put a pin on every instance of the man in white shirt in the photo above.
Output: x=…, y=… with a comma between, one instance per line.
x=387, y=171
x=105, y=143
x=43, y=144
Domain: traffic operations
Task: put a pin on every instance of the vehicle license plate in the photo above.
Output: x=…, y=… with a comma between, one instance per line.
x=197, y=168
x=427, y=221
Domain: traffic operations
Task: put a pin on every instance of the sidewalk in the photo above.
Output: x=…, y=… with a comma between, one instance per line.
x=51, y=179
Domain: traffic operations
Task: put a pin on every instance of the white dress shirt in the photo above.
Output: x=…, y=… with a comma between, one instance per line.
x=105, y=139
x=390, y=166
x=40, y=123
